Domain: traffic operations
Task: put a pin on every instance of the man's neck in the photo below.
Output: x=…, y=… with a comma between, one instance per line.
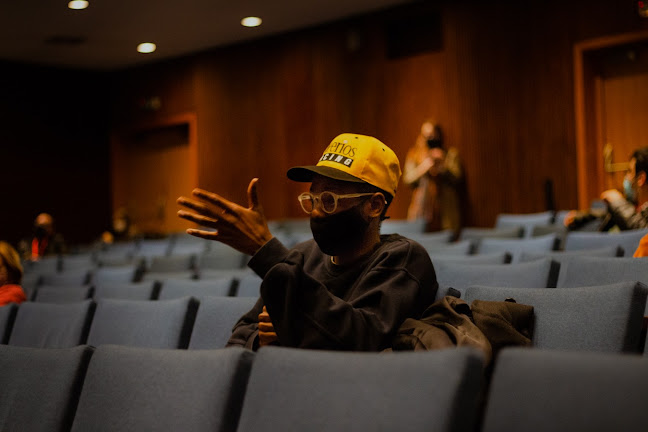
x=371, y=240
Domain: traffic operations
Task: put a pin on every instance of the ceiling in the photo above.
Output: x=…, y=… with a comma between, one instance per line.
x=105, y=35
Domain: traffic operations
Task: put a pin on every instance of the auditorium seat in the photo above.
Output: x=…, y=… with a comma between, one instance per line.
x=555, y=391
x=591, y=270
x=566, y=256
x=7, y=317
x=444, y=236
x=71, y=278
x=515, y=247
x=310, y=390
x=526, y=220
x=126, y=291
x=248, y=285
x=60, y=294
x=216, y=318
x=173, y=263
x=221, y=257
x=490, y=258
x=48, y=325
x=39, y=388
x=137, y=389
x=30, y=283
x=85, y=261
x=150, y=324
x=628, y=240
x=118, y=274
x=534, y=274
x=176, y=288
x=593, y=318
x=459, y=248
x=476, y=234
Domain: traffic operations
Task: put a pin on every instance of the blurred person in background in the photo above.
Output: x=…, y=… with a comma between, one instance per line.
x=434, y=173
x=44, y=240
x=11, y=272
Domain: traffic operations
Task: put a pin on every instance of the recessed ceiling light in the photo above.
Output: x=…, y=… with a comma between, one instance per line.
x=251, y=22
x=78, y=4
x=146, y=47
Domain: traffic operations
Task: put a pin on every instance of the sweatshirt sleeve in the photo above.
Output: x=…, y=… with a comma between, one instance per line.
x=306, y=314
x=625, y=215
x=246, y=330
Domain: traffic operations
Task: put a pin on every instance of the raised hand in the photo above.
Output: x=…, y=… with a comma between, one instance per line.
x=244, y=229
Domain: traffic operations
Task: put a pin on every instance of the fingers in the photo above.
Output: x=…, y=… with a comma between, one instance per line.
x=207, y=235
x=253, y=197
x=266, y=327
x=213, y=198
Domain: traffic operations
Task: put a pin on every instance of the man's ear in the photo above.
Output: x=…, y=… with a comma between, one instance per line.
x=641, y=178
x=376, y=204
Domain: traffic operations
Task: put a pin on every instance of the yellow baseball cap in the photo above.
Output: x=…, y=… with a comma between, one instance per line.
x=355, y=158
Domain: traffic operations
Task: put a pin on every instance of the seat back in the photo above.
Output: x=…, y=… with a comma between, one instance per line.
x=58, y=294
x=402, y=226
x=71, y=278
x=516, y=247
x=216, y=318
x=176, y=288
x=49, y=325
x=118, y=274
x=7, y=318
x=151, y=324
x=596, y=318
x=590, y=270
x=628, y=240
x=490, y=258
x=249, y=285
x=126, y=291
x=563, y=257
x=308, y=390
x=537, y=390
x=221, y=257
x=173, y=263
x=526, y=220
x=137, y=389
x=535, y=274
x=40, y=387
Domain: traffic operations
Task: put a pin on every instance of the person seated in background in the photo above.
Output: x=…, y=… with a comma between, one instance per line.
x=122, y=228
x=435, y=175
x=11, y=272
x=349, y=288
x=628, y=210
x=44, y=241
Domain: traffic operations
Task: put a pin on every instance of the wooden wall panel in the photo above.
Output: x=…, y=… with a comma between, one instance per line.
x=501, y=84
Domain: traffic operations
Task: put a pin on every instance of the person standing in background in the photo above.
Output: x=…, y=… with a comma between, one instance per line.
x=44, y=241
x=435, y=175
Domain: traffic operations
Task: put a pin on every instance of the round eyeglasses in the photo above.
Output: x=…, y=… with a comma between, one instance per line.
x=326, y=200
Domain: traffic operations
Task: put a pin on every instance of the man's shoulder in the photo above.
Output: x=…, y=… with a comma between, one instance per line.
x=398, y=244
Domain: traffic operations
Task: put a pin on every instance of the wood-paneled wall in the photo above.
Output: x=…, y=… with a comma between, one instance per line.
x=501, y=84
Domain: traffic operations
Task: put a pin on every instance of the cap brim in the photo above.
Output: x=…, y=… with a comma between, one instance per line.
x=305, y=174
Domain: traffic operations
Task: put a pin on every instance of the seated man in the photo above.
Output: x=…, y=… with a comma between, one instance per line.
x=626, y=211
x=631, y=212
x=348, y=289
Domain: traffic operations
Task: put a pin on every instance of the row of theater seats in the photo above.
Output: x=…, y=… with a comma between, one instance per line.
x=115, y=388
x=595, y=318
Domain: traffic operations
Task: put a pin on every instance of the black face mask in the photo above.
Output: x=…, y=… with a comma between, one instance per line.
x=435, y=143
x=40, y=232
x=339, y=232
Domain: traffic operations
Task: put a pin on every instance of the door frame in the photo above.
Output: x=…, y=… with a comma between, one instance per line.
x=588, y=87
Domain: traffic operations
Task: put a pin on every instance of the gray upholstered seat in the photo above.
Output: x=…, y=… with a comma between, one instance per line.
x=119, y=274
x=221, y=257
x=563, y=257
x=587, y=270
x=176, y=288
x=59, y=294
x=138, y=389
x=49, y=325
x=628, y=240
x=515, y=247
x=555, y=391
x=309, y=390
x=476, y=234
x=490, y=258
x=126, y=291
x=527, y=220
x=173, y=263
x=7, y=317
x=596, y=318
x=152, y=324
x=460, y=248
x=40, y=387
x=249, y=285
x=402, y=227
x=535, y=274
x=216, y=318
x=71, y=278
